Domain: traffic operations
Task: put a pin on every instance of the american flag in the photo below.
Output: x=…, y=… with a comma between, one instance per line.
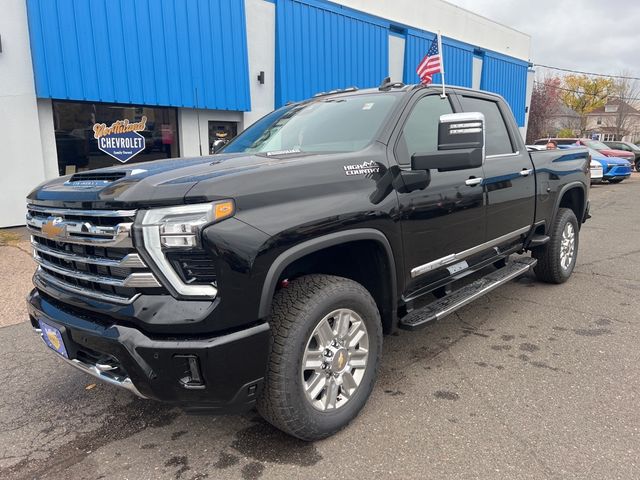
x=430, y=64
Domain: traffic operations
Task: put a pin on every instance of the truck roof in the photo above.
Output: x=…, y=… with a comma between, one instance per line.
x=391, y=87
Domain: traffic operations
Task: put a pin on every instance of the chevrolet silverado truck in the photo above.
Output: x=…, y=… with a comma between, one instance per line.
x=267, y=274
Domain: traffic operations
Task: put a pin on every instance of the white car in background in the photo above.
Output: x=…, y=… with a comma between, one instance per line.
x=595, y=167
x=596, y=171
x=536, y=148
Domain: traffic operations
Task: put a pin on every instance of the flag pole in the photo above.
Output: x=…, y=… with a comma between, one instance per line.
x=444, y=93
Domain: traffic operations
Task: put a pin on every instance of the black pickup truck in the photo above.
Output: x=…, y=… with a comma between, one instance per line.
x=267, y=274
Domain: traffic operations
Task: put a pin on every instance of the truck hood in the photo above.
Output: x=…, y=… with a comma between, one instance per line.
x=161, y=182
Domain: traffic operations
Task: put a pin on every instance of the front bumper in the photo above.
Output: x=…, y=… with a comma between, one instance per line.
x=614, y=172
x=222, y=373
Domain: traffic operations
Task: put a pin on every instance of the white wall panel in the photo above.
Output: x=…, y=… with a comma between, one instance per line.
x=21, y=156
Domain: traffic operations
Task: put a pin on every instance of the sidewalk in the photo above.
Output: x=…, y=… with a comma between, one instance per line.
x=16, y=269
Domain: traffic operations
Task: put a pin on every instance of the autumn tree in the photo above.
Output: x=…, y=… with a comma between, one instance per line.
x=545, y=100
x=584, y=94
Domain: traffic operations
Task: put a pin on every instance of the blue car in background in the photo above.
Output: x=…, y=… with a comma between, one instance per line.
x=614, y=170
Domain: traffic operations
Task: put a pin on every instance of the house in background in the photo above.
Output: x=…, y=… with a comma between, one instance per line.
x=617, y=120
x=563, y=119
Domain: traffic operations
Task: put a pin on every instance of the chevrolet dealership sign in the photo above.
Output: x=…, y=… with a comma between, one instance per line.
x=121, y=140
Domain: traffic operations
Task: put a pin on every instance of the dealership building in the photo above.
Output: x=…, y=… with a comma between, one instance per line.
x=193, y=73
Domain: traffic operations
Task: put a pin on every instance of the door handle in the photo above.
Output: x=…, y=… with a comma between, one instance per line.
x=473, y=181
x=525, y=172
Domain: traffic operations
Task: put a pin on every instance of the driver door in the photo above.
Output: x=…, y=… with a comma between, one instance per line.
x=447, y=216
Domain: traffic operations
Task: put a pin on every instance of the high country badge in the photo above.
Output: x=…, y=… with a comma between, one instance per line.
x=121, y=140
x=364, y=168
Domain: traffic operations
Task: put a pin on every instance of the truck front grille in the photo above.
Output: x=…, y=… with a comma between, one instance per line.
x=88, y=252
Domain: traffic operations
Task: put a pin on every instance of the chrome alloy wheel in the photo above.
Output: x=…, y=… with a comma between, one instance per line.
x=335, y=359
x=567, y=246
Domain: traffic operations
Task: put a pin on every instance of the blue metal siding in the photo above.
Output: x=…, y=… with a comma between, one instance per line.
x=321, y=47
x=183, y=53
x=508, y=77
x=457, y=58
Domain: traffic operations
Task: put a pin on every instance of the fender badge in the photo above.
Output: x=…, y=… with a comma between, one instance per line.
x=364, y=168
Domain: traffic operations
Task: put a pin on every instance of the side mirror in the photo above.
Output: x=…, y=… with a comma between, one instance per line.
x=460, y=144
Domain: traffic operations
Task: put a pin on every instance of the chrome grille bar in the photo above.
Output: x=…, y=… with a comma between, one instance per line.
x=138, y=279
x=131, y=260
x=83, y=233
x=69, y=212
x=43, y=276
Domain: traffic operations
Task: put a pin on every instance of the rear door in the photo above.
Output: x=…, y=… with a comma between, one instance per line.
x=447, y=216
x=509, y=179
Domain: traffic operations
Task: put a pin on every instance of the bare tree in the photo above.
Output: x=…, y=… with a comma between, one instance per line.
x=545, y=100
x=625, y=96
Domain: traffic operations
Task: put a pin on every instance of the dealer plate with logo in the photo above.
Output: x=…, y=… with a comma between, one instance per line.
x=53, y=338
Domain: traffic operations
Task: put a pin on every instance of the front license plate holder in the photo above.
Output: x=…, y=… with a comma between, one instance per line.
x=53, y=338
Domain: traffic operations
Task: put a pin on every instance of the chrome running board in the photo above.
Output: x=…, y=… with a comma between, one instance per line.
x=467, y=294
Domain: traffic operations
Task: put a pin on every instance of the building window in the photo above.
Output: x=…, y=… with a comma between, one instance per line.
x=599, y=120
x=78, y=149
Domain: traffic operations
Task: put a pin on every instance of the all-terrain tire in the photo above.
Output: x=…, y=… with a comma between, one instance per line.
x=549, y=268
x=296, y=312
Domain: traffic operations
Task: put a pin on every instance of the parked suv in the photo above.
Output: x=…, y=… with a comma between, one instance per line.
x=267, y=274
x=628, y=147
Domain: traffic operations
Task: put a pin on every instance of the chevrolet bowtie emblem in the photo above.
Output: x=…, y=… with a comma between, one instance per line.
x=53, y=229
x=342, y=359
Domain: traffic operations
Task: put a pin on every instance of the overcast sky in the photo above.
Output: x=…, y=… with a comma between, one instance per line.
x=601, y=36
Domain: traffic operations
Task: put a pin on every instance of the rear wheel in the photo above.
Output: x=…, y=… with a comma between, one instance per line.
x=327, y=340
x=637, y=165
x=557, y=258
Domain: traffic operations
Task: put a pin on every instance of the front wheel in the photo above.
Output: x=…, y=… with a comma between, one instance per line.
x=557, y=258
x=327, y=340
x=616, y=180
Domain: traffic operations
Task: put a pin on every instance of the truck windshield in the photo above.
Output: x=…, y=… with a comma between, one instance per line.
x=338, y=124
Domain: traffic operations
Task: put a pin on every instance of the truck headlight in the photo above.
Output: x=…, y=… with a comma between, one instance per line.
x=174, y=228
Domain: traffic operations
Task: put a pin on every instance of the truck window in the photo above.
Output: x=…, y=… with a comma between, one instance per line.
x=496, y=136
x=420, y=131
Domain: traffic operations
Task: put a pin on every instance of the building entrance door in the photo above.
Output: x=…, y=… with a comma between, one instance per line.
x=221, y=133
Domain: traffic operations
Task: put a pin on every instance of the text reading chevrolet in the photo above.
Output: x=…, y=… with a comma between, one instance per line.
x=267, y=274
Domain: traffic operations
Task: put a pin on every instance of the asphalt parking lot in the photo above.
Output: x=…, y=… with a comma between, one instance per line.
x=532, y=381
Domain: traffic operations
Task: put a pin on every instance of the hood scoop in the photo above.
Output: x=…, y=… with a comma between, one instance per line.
x=94, y=179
